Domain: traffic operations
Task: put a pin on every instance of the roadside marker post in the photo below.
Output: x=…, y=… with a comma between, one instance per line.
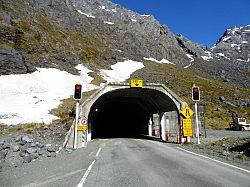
x=196, y=97
x=76, y=124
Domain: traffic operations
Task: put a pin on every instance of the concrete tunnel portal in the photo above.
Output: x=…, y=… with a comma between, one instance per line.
x=121, y=111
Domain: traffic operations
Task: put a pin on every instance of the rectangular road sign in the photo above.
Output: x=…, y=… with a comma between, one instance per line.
x=187, y=127
x=136, y=83
x=82, y=127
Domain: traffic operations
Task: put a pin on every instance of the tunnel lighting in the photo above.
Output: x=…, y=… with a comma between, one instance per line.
x=96, y=109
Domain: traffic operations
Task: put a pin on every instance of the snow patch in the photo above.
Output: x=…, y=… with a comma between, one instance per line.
x=121, y=71
x=244, y=42
x=225, y=39
x=118, y=50
x=190, y=57
x=144, y=15
x=134, y=20
x=89, y=16
x=235, y=45
x=28, y=98
x=208, y=57
x=188, y=66
x=163, y=61
x=241, y=60
x=221, y=54
x=109, y=23
x=106, y=9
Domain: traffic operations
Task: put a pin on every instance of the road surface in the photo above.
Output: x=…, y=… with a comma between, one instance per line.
x=126, y=162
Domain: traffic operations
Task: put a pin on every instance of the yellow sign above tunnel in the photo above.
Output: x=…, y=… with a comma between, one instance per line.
x=136, y=83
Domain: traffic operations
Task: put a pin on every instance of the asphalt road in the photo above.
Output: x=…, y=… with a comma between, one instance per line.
x=126, y=162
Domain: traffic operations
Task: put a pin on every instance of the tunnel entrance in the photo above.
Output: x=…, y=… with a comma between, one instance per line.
x=121, y=118
x=126, y=112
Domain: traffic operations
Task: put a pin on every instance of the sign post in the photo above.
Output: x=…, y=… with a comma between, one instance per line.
x=187, y=113
x=196, y=97
x=77, y=97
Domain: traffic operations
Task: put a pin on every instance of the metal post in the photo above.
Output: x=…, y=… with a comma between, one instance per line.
x=204, y=119
x=197, y=124
x=86, y=138
x=76, y=123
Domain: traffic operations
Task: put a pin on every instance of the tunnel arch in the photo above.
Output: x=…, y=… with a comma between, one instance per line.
x=130, y=107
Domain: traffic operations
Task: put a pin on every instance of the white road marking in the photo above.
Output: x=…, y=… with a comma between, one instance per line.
x=245, y=170
x=86, y=175
x=98, y=152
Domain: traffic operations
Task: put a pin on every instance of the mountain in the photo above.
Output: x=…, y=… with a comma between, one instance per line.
x=229, y=58
x=97, y=34
x=55, y=33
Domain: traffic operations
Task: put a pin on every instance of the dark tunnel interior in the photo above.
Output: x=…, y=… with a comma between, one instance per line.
x=119, y=119
x=126, y=112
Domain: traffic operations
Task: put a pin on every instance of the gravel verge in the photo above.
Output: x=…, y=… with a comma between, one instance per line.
x=229, y=146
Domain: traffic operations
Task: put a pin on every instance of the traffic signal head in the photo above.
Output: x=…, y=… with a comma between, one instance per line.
x=195, y=94
x=78, y=92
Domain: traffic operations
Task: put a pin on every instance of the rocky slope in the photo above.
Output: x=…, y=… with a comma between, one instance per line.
x=229, y=58
x=53, y=33
x=63, y=33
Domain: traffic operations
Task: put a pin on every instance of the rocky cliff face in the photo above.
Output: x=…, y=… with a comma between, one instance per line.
x=98, y=33
x=229, y=58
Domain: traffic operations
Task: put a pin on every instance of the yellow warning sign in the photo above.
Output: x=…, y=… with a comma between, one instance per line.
x=187, y=112
x=82, y=127
x=136, y=83
x=187, y=127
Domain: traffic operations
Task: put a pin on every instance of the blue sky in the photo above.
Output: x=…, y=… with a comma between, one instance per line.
x=202, y=21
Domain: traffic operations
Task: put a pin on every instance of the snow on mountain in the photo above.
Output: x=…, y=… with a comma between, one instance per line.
x=89, y=16
x=109, y=23
x=28, y=98
x=121, y=71
x=163, y=61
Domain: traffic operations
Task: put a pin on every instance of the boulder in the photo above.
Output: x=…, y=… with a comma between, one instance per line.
x=15, y=148
x=39, y=145
x=51, y=154
x=51, y=148
x=31, y=150
x=26, y=139
x=3, y=154
x=12, y=62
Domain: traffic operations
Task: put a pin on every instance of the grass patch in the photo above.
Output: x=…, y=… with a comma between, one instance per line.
x=66, y=109
x=24, y=128
x=97, y=79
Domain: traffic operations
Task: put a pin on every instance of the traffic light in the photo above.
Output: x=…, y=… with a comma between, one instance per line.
x=78, y=92
x=195, y=93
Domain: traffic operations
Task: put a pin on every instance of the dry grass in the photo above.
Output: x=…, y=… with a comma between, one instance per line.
x=97, y=79
x=24, y=128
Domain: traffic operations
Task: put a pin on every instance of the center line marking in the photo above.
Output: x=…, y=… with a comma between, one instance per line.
x=98, y=152
x=86, y=174
x=245, y=170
